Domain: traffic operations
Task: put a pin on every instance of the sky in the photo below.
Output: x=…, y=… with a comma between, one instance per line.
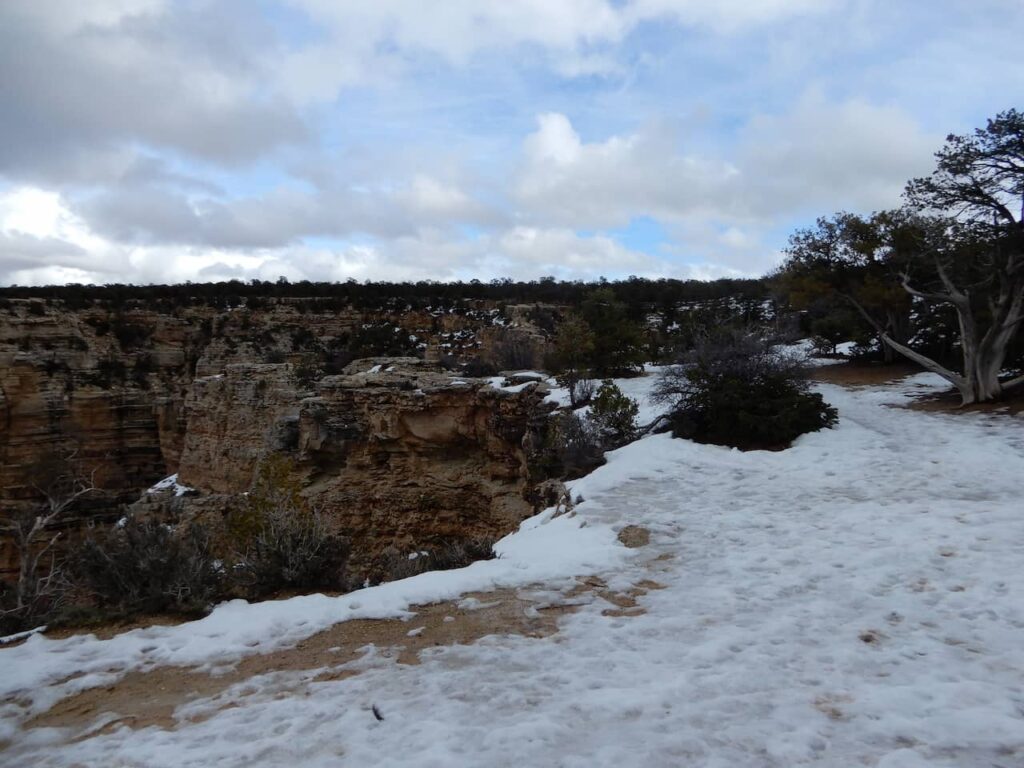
x=150, y=141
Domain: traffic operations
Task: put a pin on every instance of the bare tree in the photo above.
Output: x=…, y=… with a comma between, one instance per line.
x=32, y=534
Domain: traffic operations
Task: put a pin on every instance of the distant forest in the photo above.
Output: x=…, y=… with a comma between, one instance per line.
x=321, y=296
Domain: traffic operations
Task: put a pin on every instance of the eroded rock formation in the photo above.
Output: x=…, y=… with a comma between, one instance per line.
x=137, y=393
x=397, y=455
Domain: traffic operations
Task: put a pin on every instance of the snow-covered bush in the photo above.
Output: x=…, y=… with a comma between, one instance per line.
x=734, y=389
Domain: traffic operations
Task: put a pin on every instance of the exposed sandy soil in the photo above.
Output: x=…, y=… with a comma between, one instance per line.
x=949, y=402
x=861, y=375
x=143, y=699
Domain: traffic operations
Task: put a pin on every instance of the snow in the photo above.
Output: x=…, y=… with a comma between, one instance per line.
x=498, y=382
x=854, y=600
x=168, y=484
x=21, y=635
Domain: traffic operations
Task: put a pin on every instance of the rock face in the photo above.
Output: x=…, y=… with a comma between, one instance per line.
x=135, y=393
x=398, y=456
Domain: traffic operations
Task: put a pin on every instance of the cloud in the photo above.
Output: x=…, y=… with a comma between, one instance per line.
x=820, y=155
x=284, y=215
x=42, y=240
x=606, y=183
x=97, y=78
x=166, y=140
x=825, y=156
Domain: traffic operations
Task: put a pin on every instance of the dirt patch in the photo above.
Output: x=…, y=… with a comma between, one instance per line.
x=108, y=629
x=949, y=402
x=142, y=699
x=634, y=536
x=863, y=374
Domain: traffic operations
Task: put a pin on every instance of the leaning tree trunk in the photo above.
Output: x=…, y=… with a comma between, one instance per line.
x=983, y=357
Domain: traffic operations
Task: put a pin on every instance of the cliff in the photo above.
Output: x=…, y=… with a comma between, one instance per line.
x=398, y=455
x=135, y=394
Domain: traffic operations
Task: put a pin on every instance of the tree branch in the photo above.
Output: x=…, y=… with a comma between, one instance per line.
x=953, y=378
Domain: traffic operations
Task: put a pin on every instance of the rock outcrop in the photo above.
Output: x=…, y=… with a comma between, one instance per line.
x=397, y=455
x=135, y=393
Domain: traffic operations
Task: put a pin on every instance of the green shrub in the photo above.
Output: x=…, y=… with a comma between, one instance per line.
x=736, y=390
x=280, y=542
x=575, y=444
x=614, y=414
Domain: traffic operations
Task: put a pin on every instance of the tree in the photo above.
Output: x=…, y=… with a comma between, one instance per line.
x=574, y=347
x=958, y=243
x=31, y=529
x=618, y=341
x=851, y=259
x=978, y=268
x=614, y=415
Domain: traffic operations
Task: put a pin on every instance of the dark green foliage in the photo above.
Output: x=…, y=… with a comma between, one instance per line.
x=836, y=327
x=307, y=371
x=735, y=390
x=617, y=340
x=332, y=297
x=130, y=335
x=381, y=341
x=147, y=567
x=614, y=414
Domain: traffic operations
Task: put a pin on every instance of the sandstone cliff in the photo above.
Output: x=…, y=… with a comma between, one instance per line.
x=124, y=391
x=399, y=456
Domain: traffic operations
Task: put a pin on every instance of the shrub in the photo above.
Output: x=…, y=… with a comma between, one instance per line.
x=446, y=556
x=281, y=542
x=144, y=566
x=307, y=371
x=614, y=415
x=736, y=390
x=576, y=445
x=581, y=390
x=293, y=549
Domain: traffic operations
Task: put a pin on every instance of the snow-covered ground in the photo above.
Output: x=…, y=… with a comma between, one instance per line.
x=855, y=600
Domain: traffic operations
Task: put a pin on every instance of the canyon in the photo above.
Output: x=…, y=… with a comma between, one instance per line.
x=397, y=451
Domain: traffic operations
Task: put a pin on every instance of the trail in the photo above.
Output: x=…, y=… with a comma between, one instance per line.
x=855, y=600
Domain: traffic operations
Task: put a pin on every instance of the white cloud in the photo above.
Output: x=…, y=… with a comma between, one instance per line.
x=42, y=240
x=371, y=41
x=827, y=156
x=821, y=155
